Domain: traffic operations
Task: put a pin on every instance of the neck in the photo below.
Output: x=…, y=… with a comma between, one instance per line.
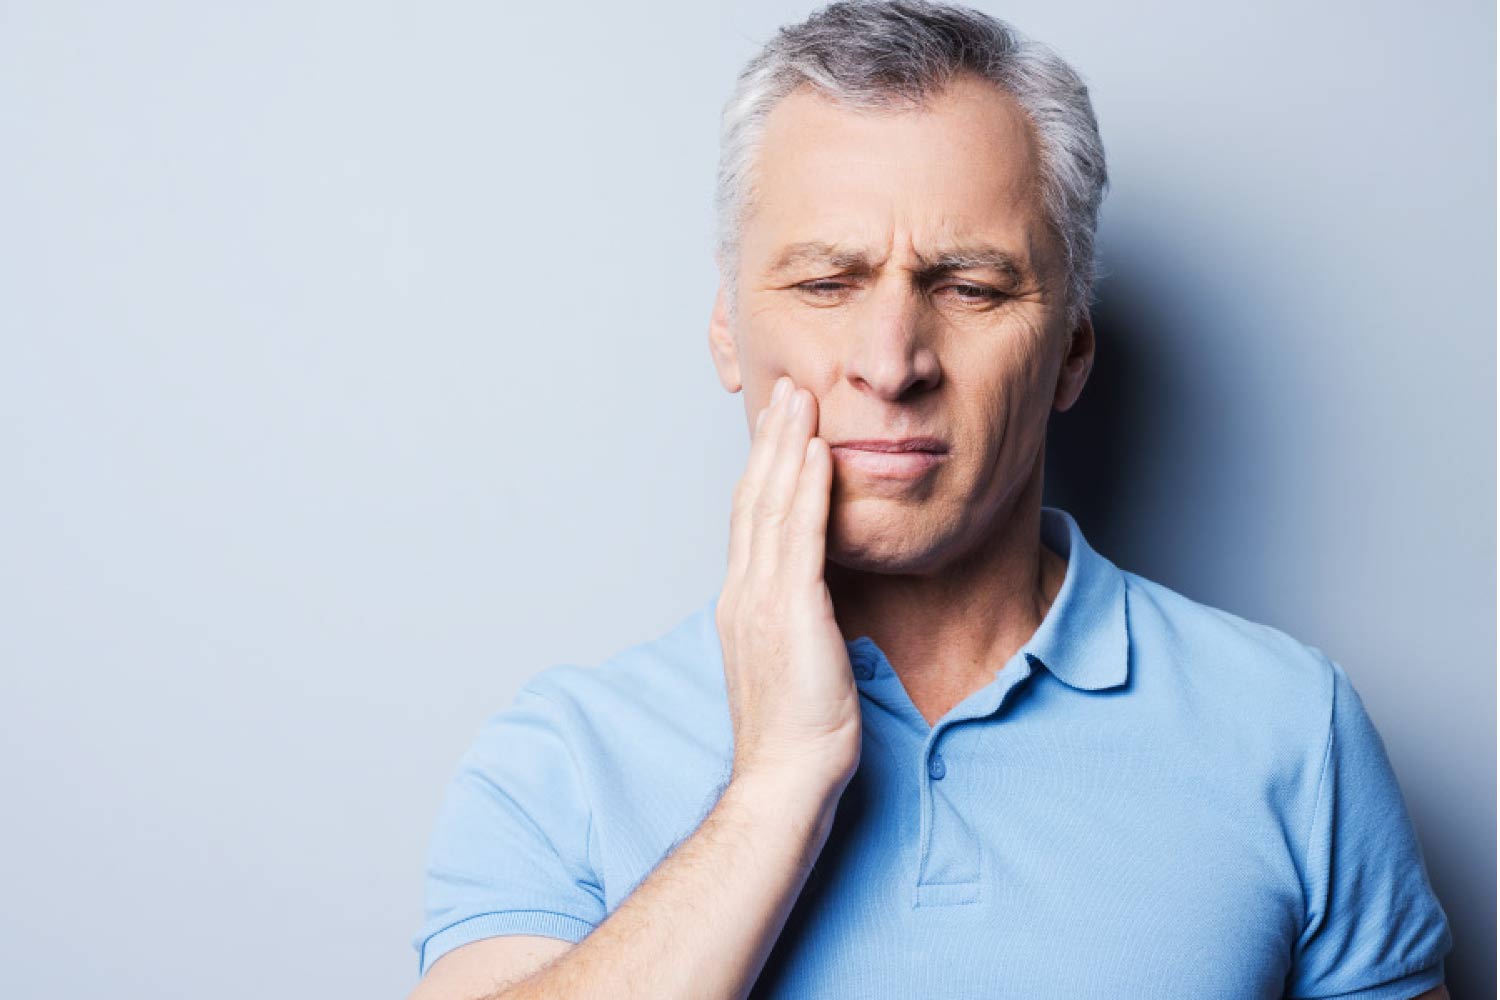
x=946, y=633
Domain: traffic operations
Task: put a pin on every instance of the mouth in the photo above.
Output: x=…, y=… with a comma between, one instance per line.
x=905, y=458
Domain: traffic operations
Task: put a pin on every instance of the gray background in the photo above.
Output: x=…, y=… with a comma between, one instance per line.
x=354, y=371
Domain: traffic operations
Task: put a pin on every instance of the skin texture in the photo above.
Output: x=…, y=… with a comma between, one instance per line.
x=948, y=575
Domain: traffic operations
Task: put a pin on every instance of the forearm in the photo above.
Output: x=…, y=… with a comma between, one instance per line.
x=703, y=922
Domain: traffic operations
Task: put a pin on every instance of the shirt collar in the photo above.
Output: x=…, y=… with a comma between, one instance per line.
x=1083, y=640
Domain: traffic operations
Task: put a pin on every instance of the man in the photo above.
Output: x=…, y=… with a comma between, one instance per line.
x=926, y=742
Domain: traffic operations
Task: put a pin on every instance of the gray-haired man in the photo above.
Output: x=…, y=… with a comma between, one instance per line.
x=949, y=749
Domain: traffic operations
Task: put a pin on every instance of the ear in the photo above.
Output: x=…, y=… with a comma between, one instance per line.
x=1077, y=362
x=721, y=344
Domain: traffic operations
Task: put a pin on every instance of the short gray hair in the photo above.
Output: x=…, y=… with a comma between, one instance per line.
x=890, y=55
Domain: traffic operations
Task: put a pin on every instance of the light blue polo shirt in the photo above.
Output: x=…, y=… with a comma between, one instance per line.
x=1153, y=798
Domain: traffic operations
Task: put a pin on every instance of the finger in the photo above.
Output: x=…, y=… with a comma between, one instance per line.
x=774, y=500
x=806, y=539
x=762, y=447
x=768, y=427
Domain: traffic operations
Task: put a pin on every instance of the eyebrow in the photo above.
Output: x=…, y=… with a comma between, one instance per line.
x=956, y=258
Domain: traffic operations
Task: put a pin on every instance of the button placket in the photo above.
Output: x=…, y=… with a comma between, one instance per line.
x=950, y=867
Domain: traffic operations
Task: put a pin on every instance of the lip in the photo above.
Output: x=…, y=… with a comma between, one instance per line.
x=896, y=444
x=904, y=458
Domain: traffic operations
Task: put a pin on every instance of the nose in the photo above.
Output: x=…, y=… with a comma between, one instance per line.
x=891, y=354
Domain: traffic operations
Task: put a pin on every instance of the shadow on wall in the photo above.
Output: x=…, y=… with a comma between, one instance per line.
x=1163, y=458
x=1099, y=453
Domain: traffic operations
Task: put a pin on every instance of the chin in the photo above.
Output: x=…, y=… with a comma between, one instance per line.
x=864, y=538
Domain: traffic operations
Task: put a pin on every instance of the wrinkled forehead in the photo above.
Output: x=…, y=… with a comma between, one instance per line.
x=962, y=169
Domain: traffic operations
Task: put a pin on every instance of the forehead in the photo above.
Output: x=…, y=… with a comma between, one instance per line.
x=964, y=166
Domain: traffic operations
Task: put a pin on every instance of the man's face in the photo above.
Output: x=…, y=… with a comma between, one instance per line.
x=893, y=344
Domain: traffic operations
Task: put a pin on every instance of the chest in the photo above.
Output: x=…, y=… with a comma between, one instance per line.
x=1043, y=868
x=1131, y=878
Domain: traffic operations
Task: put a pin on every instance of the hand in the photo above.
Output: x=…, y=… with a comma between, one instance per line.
x=792, y=698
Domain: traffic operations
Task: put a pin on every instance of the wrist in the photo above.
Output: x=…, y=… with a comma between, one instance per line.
x=798, y=802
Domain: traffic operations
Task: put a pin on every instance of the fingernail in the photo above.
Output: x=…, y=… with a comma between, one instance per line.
x=798, y=402
x=780, y=390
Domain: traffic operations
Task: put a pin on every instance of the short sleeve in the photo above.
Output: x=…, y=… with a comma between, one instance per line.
x=509, y=853
x=1373, y=927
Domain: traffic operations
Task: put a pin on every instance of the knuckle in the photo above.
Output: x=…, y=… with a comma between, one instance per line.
x=770, y=515
x=768, y=620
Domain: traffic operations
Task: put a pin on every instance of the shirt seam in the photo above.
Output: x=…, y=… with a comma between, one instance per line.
x=588, y=837
x=1312, y=821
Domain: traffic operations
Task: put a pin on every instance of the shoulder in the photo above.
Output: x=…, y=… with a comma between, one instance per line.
x=682, y=662
x=670, y=686
x=1248, y=670
x=654, y=716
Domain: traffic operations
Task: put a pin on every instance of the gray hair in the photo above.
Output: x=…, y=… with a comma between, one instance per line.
x=885, y=55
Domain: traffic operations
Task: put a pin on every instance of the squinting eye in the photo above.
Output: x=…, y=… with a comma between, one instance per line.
x=821, y=287
x=978, y=293
x=974, y=294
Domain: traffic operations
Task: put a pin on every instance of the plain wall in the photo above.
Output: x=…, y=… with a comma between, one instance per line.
x=355, y=371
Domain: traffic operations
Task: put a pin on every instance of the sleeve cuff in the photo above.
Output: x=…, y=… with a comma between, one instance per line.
x=1405, y=987
x=544, y=923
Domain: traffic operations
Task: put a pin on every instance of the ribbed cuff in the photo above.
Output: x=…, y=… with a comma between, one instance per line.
x=545, y=923
x=1410, y=985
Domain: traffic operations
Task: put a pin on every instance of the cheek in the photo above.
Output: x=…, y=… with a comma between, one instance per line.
x=770, y=353
x=1024, y=357
x=1005, y=386
x=1026, y=351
